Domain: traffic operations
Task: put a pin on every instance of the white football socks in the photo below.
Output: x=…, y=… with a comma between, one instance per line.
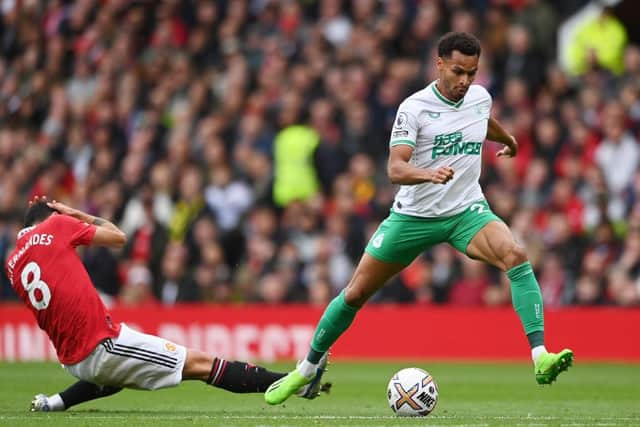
x=307, y=369
x=537, y=351
x=55, y=403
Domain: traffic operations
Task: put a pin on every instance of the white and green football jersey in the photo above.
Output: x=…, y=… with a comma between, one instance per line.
x=442, y=133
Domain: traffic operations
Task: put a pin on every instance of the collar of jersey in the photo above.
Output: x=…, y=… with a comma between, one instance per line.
x=25, y=231
x=442, y=98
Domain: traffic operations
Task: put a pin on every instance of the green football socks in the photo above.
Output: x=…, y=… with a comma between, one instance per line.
x=527, y=302
x=336, y=318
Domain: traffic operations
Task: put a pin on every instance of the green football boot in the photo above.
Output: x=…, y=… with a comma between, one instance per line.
x=550, y=365
x=285, y=387
x=296, y=383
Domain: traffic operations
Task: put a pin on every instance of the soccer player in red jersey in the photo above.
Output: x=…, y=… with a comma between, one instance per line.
x=106, y=356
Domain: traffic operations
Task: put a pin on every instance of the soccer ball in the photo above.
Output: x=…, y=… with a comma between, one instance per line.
x=412, y=392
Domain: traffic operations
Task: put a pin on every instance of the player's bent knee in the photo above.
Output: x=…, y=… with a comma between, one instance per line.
x=197, y=365
x=515, y=256
x=355, y=296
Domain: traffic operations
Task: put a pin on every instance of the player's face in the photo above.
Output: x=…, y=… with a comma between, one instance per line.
x=456, y=74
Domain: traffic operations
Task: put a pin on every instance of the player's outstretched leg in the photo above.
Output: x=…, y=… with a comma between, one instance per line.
x=242, y=377
x=549, y=365
x=296, y=383
x=79, y=392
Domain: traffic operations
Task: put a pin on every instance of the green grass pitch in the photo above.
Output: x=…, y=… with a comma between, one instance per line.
x=471, y=394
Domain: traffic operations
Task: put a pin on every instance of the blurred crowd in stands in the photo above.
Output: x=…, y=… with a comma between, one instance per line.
x=242, y=144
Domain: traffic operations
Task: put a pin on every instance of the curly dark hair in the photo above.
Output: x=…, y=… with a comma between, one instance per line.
x=465, y=43
x=37, y=212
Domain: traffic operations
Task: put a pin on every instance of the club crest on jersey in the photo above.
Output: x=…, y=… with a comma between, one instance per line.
x=401, y=120
x=482, y=109
x=451, y=144
x=377, y=241
x=433, y=114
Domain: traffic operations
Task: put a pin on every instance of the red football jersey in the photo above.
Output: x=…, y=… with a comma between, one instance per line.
x=47, y=273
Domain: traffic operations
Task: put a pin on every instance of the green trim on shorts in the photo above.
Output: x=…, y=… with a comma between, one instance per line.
x=401, y=238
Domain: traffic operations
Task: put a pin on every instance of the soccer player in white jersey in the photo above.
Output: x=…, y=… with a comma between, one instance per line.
x=103, y=354
x=435, y=157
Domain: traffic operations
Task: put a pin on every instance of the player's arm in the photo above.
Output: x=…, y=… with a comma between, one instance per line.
x=107, y=233
x=495, y=132
x=400, y=171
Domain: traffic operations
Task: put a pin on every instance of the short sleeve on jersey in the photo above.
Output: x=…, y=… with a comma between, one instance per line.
x=76, y=231
x=484, y=107
x=405, y=128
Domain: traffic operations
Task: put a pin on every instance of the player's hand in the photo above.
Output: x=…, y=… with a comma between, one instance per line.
x=37, y=199
x=64, y=209
x=442, y=175
x=509, y=150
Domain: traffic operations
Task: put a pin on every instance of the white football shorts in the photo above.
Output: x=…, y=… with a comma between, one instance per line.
x=132, y=360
